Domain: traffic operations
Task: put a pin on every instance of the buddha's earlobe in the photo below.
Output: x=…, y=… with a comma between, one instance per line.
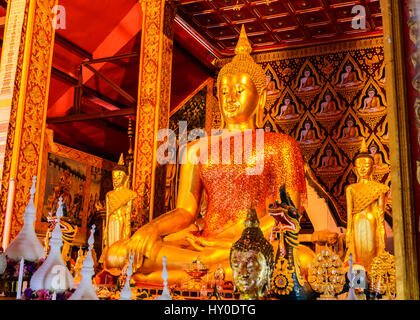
x=260, y=111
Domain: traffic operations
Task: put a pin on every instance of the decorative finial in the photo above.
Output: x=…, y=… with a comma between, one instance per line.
x=26, y=244
x=363, y=148
x=91, y=237
x=126, y=293
x=165, y=293
x=252, y=218
x=121, y=160
x=85, y=290
x=243, y=46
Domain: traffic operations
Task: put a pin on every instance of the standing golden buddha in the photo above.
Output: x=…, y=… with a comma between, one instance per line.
x=119, y=203
x=230, y=189
x=366, y=200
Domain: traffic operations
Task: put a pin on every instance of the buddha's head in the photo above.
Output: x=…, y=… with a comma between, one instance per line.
x=350, y=122
x=307, y=73
x=348, y=68
x=373, y=149
x=242, y=86
x=371, y=92
x=251, y=260
x=287, y=101
x=328, y=97
x=364, y=163
x=329, y=151
x=308, y=125
x=119, y=174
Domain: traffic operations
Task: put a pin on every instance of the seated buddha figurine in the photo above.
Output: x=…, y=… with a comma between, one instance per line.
x=348, y=78
x=119, y=204
x=328, y=107
x=308, y=135
x=366, y=202
x=350, y=133
x=252, y=260
x=287, y=110
x=372, y=103
x=271, y=86
x=378, y=164
x=307, y=83
x=329, y=161
x=241, y=86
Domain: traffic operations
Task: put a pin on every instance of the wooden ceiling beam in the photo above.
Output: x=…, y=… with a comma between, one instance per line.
x=86, y=90
x=72, y=46
x=92, y=116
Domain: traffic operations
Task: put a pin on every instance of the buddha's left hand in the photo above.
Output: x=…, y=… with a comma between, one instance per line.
x=200, y=243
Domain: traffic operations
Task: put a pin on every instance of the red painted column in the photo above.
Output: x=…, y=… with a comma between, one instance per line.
x=412, y=53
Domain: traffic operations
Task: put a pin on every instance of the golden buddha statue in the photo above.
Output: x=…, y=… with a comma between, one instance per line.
x=229, y=187
x=119, y=204
x=308, y=135
x=78, y=265
x=307, y=83
x=252, y=260
x=271, y=86
x=287, y=110
x=366, y=201
x=372, y=103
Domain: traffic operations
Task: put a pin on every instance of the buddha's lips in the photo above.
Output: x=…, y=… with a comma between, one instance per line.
x=231, y=108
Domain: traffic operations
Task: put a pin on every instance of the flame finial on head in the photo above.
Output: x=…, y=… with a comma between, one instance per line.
x=243, y=46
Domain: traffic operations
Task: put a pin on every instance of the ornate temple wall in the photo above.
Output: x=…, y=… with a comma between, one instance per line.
x=330, y=132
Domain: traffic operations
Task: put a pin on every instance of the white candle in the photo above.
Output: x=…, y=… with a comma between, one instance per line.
x=19, y=288
x=54, y=296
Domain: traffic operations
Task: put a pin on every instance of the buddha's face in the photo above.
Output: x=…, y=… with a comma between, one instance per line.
x=373, y=150
x=348, y=68
x=238, y=97
x=371, y=93
x=364, y=167
x=286, y=102
x=328, y=98
x=307, y=73
x=250, y=272
x=118, y=178
x=307, y=125
x=329, y=152
x=350, y=123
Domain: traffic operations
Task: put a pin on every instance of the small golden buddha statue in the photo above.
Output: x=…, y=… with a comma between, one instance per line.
x=372, y=103
x=252, y=260
x=78, y=265
x=329, y=106
x=366, y=201
x=119, y=204
x=287, y=110
x=308, y=135
x=271, y=86
x=230, y=189
x=307, y=83
x=350, y=133
x=348, y=78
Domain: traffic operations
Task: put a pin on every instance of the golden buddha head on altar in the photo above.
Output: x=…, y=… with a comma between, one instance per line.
x=242, y=86
x=119, y=174
x=364, y=162
x=251, y=260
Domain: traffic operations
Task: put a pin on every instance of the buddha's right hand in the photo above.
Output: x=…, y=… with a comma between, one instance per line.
x=142, y=243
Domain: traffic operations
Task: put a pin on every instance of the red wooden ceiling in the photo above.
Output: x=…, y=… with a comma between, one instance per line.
x=281, y=23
